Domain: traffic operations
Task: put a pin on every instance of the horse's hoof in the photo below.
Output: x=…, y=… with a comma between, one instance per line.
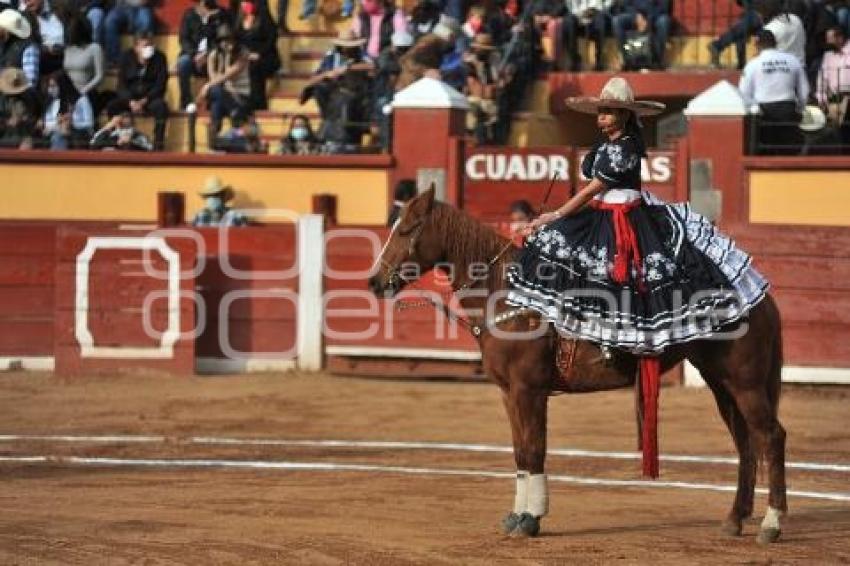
x=731, y=527
x=528, y=526
x=768, y=535
x=510, y=523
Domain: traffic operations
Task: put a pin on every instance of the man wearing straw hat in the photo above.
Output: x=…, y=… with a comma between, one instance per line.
x=19, y=109
x=215, y=211
x=16, y=49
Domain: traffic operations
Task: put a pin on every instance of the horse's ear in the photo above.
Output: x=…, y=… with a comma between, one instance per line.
x=422, y=204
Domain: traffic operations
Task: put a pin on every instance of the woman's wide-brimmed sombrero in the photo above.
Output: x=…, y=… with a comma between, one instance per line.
x=617, y=93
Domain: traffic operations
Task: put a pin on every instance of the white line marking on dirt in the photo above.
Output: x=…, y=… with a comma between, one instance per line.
x=397, y=445
x=335, y=467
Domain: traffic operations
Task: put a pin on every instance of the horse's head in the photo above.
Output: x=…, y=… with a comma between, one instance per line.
x=413, y=247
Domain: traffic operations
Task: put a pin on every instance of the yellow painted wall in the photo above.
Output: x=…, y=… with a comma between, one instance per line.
x=800, y=197
x=128, y=193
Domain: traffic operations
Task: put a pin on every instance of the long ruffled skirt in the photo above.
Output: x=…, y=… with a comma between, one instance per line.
x=690, y=282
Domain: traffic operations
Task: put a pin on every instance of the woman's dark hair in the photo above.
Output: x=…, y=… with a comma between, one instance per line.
x=632, y=127
x=522, y=206
x=79, y=32
x=405, y=190
x=311, y=136
x=35, y=31
x=68, y=93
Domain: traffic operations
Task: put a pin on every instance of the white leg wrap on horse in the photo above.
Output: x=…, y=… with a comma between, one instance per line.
x=771, y=518
x=538, y=495
x=521, y=497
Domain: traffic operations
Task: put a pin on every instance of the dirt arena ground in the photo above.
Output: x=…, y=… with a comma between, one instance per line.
x=71, y=512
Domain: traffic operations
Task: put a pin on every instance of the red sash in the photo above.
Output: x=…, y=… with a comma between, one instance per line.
x=649, y=367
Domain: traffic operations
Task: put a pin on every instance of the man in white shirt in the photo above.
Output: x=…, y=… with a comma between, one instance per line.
x=834, y=75
x=776, y=82
x=52, y=33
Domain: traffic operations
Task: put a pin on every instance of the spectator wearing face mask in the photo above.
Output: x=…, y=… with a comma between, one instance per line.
x=644, y=17
x=120, y=133
x=300, y=139
x=215, y=211
x=142, y=78
x=242, y=137
x=68, y=118
x=197, y=38
x=134, y=16
x=376, y=22
x=256, y=32
x=52, y=33
x=229, y=85
x=423, y=17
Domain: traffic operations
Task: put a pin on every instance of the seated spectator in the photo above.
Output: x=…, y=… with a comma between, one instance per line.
x=256, y=32
x=748, y=24
x=833, y=82
x=786, y=27
x=775, y=81
x=589, y=17
x=242, y=137
x=648, y=19
x=376, y=22
x=404, y=192
x=548, y=16
x=19, y=110
x=52, y=34
x=521, y=215
x=120, y=133
x=197, y=38
x=229, y=84
x=484, y=83
x=68, y=117
x=84, y=62
x=142, y=78
x=341, y=87
x=133, y=16
x=300, y=139
x=215, y=211
x=19, y=45
x=424, y=16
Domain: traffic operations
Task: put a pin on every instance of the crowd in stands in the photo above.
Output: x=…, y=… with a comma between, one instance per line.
x=800, y=79
x=54, y=55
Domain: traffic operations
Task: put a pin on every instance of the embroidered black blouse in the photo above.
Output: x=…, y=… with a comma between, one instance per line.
x=615, y=163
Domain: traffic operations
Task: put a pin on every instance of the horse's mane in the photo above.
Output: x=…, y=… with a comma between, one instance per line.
x=465, y=239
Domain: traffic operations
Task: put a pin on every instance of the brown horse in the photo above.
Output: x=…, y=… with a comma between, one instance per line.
x=742, y=372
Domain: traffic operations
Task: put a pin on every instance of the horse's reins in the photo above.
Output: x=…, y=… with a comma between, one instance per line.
x=474, y=329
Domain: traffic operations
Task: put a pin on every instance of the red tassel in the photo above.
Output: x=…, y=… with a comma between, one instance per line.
x=650, y=376
x=620, y=272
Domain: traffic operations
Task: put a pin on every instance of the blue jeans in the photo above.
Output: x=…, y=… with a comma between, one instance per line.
x=308, y=8
x=738, y=34
x=185, y=71
x=135, y=20
x=95, y=16
x=659, y=26
x=223, y=104
x=594, y=30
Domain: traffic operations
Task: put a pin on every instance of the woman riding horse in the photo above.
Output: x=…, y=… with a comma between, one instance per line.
x=629, y=282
